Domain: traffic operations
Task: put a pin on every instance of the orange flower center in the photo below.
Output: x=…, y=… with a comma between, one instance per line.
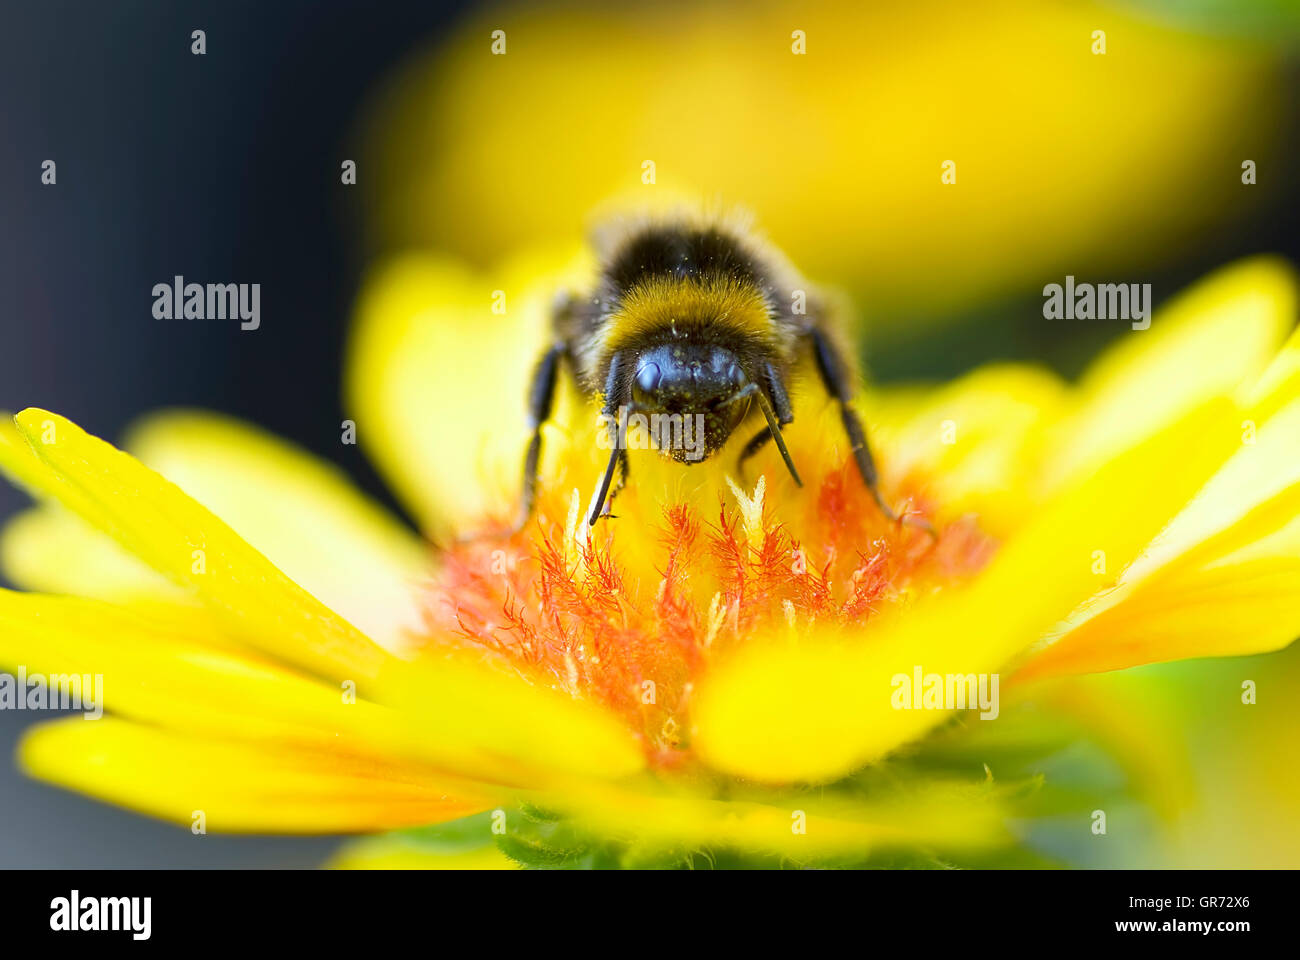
x=631, y=614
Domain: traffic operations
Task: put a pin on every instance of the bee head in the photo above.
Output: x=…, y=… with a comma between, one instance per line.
x=697, y=383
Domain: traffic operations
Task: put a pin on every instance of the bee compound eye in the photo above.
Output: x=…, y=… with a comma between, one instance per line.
x=648, y=376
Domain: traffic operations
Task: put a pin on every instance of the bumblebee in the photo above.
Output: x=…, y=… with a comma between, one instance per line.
x=691, y=318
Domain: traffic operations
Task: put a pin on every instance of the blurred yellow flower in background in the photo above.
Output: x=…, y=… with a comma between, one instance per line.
x=280, y=655
x=1065, y=159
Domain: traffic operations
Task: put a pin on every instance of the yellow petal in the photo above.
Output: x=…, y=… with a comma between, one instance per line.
x=1265, y=469
x=781, y=712
x=172, y=666
x=397, y=852
x=236, y=787
x=976, y=441
x=1225, y=611
x=1222, y=579
x=512, y=731
x=301, y=513
x=1278, y=385
x=50, y=550
x=1215, y=337
x=947, y=816
x=185, y=542
x=437, y=381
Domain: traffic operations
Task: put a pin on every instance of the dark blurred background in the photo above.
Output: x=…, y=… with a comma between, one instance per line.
x=225, y=168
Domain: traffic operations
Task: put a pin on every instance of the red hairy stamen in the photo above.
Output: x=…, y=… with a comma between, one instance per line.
x=575, y=617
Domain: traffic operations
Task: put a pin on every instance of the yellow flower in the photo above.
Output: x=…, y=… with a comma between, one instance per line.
x=839, y=150
x=712, y=674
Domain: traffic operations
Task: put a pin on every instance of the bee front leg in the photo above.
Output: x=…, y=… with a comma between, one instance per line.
x=617, y=389
x=623, y=473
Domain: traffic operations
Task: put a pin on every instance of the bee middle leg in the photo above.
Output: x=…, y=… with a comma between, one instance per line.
x=834, y=374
